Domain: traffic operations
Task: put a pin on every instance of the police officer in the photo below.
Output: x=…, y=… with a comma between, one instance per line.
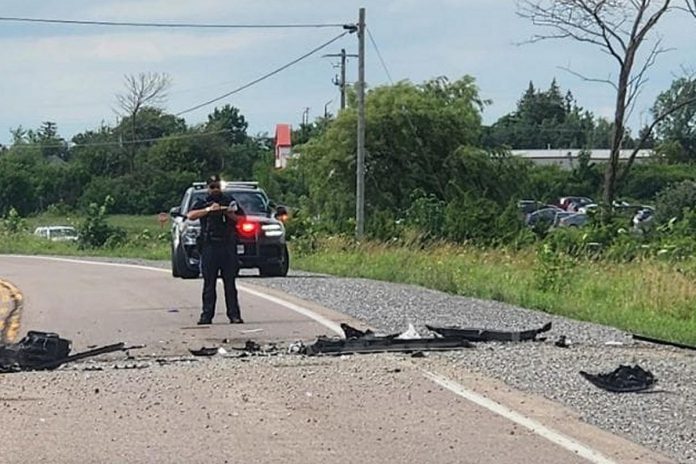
x=218, y=214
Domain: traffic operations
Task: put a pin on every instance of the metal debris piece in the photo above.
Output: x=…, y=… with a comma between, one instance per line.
x=131, y=366
x=252, y=347
x=324, y=345
x=625, y=379
x=485, y=335
x=410, y=334
x=44, y=351
x=297, y=348
x=204, y=351
x=658, y=341
x=352, y=332
x=562, y=342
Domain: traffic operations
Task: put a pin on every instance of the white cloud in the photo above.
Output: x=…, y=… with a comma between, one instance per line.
x=119, y=47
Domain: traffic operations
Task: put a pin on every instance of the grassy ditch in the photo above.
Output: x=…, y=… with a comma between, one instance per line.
x=143, y=239
x=648, y=297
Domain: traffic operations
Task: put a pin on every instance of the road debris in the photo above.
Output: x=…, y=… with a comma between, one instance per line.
x=562, y=342
x=624, y=379
x=486, y=335
x=357, y=341
x=204, y=351
x=44, y=351
x=658, y=341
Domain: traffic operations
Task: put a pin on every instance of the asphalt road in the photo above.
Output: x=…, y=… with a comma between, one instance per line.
x=281, y=409
x=98, y=305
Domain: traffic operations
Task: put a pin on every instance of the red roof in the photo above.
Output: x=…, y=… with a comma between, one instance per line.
x=283, y=135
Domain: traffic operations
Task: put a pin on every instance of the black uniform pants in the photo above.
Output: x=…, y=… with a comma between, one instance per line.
x=219, y=259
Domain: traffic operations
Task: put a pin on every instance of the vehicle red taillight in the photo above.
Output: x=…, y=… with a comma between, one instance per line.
x=248, y=228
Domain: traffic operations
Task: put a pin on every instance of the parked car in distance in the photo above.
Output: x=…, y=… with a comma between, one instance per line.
x=57, y=233
x=573, y=204
x=549, y=216
x=574, y=220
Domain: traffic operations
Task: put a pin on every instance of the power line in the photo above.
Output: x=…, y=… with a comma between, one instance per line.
x=265, y=76
x=119, y=143
x=173, y=25
x=379, y=55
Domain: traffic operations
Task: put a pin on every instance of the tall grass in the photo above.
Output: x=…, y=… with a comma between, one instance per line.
x=648, y=297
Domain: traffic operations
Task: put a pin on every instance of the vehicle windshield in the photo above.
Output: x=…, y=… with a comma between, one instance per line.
x=67, y=232
x=251, y=202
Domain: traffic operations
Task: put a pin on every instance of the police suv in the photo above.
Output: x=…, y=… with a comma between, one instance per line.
x=260, y=232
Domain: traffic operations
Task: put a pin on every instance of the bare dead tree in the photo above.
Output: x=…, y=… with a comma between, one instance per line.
x=144, y=90
x=618, y=28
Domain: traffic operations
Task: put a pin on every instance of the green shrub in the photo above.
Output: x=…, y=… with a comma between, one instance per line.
x=95, y=232
x=674, y=200
x=14, y=223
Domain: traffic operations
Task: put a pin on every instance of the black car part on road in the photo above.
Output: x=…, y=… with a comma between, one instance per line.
x=658, y=341
x=624, y=379
x=485, y=335
x=45, y=351
x=358, y=341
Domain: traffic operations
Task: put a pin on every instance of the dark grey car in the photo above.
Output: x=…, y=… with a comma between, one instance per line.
x=261, y=234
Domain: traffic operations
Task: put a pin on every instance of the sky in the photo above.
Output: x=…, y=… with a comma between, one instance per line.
x=70, y=74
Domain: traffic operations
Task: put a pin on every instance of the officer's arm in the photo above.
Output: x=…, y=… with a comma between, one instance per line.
x=198, y=210
x=195, y=214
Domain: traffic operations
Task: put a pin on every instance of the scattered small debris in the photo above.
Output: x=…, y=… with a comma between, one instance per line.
x=173, y=310
x=221, y=351
x=562, y=342
x=418, y=354
x=486, y=335
x=131, y=366
x=250, y=331
x=252, y=347
x=297, y=348
x=352, y=332
x=614, y=343
x=204, y=351
x=624, y=379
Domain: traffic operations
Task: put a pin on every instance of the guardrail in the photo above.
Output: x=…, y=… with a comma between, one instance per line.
x=11, y=304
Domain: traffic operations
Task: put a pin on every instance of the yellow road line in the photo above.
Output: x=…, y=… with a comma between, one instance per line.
x=11, y=306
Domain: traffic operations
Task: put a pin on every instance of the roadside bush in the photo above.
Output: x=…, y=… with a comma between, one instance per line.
x=95, y=232
x=14, y=223
x=471, y=219
x=553, y=269
x=674, y=200
x=426, y=214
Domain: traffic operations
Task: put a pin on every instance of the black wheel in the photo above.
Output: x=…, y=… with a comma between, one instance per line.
x=175, y=267
x=182, y=266
x=277, y=270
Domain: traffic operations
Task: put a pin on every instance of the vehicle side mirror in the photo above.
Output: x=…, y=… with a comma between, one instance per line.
x=272, y=204
x=175, y=212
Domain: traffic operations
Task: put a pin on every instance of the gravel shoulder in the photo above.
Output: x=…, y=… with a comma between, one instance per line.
x=662, y=420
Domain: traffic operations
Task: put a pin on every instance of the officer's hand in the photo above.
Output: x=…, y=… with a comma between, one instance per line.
x=215, y=207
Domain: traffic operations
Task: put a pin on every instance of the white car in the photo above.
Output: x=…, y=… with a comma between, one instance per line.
x=57, y=233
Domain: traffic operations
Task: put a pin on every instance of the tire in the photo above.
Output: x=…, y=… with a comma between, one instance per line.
x=182, y=266
x=277, y=270
x=175, y=267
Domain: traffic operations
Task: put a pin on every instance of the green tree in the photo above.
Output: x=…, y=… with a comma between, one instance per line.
x=228, y=119
x=678, y=130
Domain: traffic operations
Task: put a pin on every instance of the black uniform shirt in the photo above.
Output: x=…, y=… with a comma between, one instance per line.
x=216, y=226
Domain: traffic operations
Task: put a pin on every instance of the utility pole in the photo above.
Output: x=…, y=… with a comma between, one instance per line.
x=360, y=181
x=341, y=83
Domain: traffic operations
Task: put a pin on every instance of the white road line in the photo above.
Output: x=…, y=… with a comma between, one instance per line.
x=328, y=323
x=556, y=437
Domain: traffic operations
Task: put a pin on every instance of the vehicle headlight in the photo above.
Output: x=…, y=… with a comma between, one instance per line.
x=273, y=230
